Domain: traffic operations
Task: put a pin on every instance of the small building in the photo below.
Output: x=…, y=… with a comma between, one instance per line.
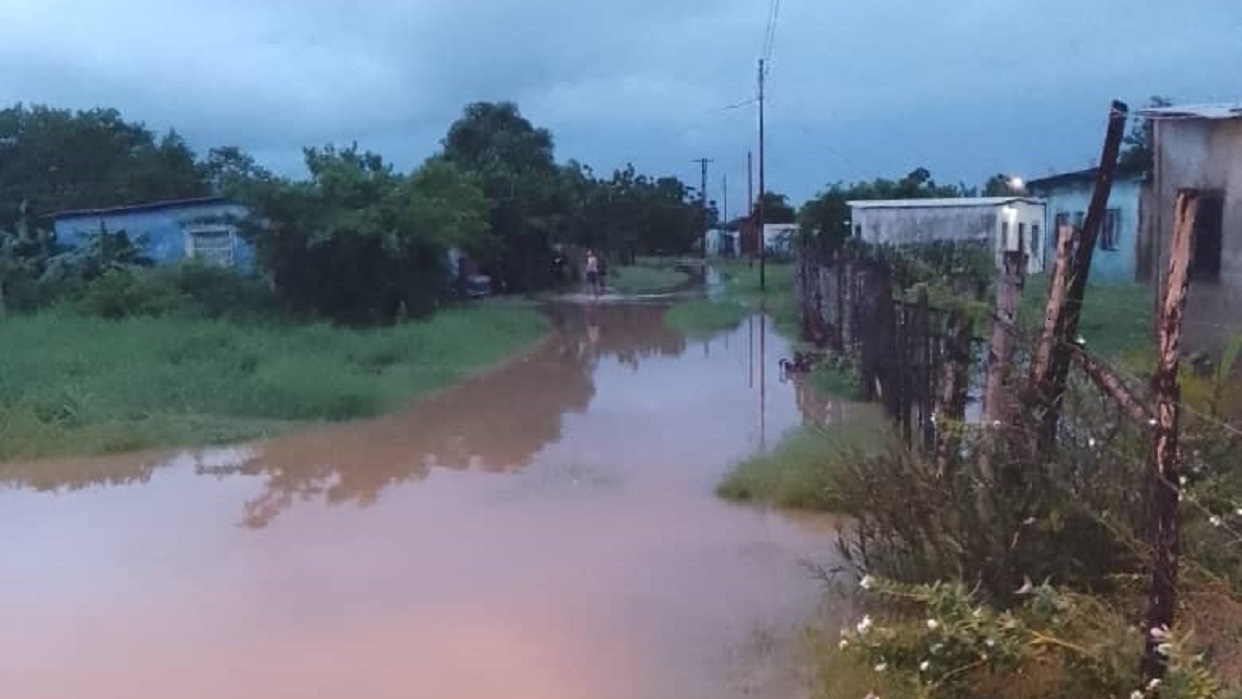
x=722, y=242
x=1200, y=147
x=1004, y=223
x=1067, y=196
x=169, y=231
x=778, y=238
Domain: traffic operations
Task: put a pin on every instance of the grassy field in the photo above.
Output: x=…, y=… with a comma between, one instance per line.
x=645, y=279
x=801, y=471
x=1116, y=318
x=739, y=297
x=75, y=385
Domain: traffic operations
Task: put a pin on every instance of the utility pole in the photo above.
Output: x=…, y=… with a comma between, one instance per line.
x=703, y=201
x=750, y=198
x=724, y=204
x=759, y=207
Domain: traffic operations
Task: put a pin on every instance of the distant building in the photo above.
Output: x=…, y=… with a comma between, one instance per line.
x=1200, y=147
x=723, y=243
x=1067, y=196
x=1003, y=223
x=169, y=231
x=778, y=238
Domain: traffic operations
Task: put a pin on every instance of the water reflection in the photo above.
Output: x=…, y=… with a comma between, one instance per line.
x=496, y=422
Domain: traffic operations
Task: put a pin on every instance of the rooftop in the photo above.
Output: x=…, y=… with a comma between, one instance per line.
x=939, y=203
x=1195, y=111
x=1087, y=175
x=146, y=206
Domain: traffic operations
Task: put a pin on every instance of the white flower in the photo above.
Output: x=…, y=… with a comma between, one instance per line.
x=1027, y=586
x=936, y=648
x=989, y=643
x=881, y=667
x=1238, y=512
x=1159, y=632
x=924, y=666
x=844, y=643
x=978, y=612
x=1215, y=521
x=864, y=624
x=1136, y=694
x=1152, y=422
x=872, y=695
x=866, y=582
x=1091, y=442
x=1164, y=649
x=932, y=624
x=1153, y=685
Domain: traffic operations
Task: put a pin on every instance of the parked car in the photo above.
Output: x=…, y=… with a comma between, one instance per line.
x=478, y=286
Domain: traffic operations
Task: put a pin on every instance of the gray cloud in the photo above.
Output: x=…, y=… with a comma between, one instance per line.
x=857, y=89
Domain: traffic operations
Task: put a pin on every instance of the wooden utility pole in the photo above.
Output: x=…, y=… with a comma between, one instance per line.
x=750, y=196
x=762, y=186
x=1166, y=541
x=703, y=202
x=1050, y=381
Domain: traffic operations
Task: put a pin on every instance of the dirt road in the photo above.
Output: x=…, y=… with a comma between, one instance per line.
x=545, y=531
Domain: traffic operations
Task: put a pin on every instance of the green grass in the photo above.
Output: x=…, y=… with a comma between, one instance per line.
x=645, y=279
x=802, y=470
x=739, y=297
x=829, y=380
x=78, y=385
x=1116, y=318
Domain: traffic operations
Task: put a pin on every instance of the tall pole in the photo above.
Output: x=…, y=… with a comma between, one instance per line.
x=703, y=201
x=759, y=207
x=750, y=196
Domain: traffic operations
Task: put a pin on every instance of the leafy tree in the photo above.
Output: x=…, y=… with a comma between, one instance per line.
x=1137, y=153
x=358, y=242
x=776, y=209
x=828, y=214
x=527, y=201
x=999, y=185
x=56, y=159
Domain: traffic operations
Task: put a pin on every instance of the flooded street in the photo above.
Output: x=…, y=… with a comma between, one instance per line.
x=544, y=531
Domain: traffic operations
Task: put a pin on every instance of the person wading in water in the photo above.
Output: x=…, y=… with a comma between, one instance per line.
x=592, y=272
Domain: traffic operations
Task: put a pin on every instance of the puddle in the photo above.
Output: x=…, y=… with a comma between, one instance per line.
x=547, y=530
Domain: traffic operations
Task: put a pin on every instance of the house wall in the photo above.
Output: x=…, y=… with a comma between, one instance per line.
x=1107, y=266
x=912, y=225
x=162, y=228
x=1205, y=155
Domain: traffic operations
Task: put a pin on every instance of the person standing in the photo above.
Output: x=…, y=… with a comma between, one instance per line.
x=592, y=272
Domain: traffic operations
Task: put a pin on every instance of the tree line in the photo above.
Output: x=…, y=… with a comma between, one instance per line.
x=355, y=239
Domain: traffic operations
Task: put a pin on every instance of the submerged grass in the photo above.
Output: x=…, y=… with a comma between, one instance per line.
x=1116, y=318
x=802, y=470
x=739, y=297
x=78, y=385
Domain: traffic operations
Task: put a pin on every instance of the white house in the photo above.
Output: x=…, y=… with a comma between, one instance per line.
x=1008, y=223
x=779, y=237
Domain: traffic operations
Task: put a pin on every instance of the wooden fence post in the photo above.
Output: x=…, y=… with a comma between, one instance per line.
x=954, y=378
x=1051, y=385
x=997, y=401
x=1055, y=305
x=1166, y=543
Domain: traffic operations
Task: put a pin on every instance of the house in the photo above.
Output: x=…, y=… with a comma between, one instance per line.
x=1200, y=147
x=722, y=242
x=169, y=231
x=778, y=238
x=1004, y=223
x=1067, y=196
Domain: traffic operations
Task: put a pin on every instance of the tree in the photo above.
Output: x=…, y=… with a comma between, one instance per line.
x=776, y=208
x=513, y=161
x=999, y=185
x=1136, y=152
x=360, y=243
x=827, y=216
x=56, y=159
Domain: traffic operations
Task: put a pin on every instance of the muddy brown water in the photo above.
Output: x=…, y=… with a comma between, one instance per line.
x=545, y=530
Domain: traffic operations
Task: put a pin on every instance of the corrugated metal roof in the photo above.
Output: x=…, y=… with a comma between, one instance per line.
x=147, y=206
x=938, y=203
x=1196, y=111
x=1089, y=174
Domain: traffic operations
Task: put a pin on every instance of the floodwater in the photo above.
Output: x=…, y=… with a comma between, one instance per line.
x=545, y=531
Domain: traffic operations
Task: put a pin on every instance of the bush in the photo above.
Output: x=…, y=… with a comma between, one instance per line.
x=191, y=290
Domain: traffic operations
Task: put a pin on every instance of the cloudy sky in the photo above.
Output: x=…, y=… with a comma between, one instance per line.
x=858, y=88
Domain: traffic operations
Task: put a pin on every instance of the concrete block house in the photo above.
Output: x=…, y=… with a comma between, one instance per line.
x=1002, y=223
x=1067, y=196
x=171, y=231
x=1199, y=147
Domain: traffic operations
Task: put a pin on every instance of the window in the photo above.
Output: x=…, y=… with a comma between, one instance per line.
x=1035, y=249
x=857, y=230
x=1078, y=217
x=1205, y=257
x=1062, y=218
x=1110, y=236
x=212, y=244
x=1004, y=239
x=1021, y=237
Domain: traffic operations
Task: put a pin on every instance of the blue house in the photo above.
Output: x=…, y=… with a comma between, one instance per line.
x=1068, y=194
x=171, y=231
